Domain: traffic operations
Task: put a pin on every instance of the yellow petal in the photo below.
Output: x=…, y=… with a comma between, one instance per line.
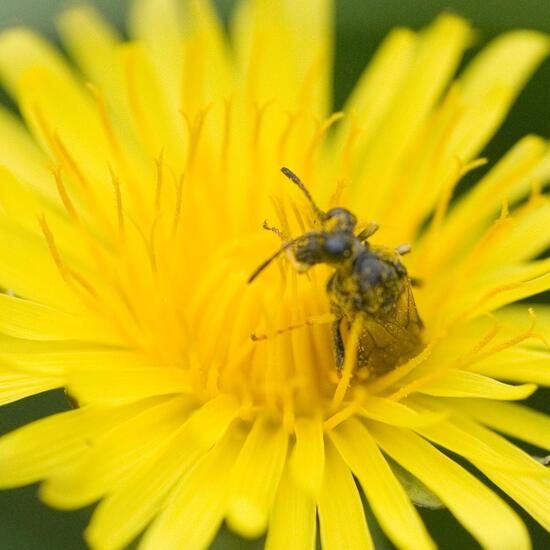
x=255, y=478
x=510, y=179
x=15, y=386
x=135, y=502
x=159, y=25
x=530, y=489
x=467, y=439
x=20, y=50
x=20, y=154
x=392, y=412
x=307, y=460
x=37, y=450
x=373, y=95
x=491, y=83
x=113, y=456
x=530, y=493
x=487, y=280
x=27, y=253
x=292, y=519
x=112, y=385
x=505, y=65
x=91, y=41
x=511, y=419
x=518, y=365
x=62, y=358
x=472, y=111
x=24, y=208
x=387, y=498
x=195, y=510
x=311, y=27
x=341, y=515
x=26, y=319
x=158, y=124
x=515, y=315
x=38, y=76
x=439, y=51
x=485, y=515
x=463, y=383
x=207, y=69
x=528, y=288
x=524, y=237
x=266, y=36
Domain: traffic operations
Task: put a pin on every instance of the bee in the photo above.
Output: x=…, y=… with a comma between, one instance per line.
x=369, y=285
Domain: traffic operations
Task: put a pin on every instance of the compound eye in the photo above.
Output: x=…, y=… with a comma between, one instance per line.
x=341, y=219
x=338, y=212
x=337, y=247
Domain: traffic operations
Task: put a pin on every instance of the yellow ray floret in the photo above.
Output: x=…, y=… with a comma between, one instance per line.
x=140, y=189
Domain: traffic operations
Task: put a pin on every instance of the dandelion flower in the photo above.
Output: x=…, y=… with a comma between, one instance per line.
x=133, y=192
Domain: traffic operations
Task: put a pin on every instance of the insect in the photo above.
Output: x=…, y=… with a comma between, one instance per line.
x=369, y=285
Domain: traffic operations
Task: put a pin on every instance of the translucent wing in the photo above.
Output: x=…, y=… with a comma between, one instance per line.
x=390, y=339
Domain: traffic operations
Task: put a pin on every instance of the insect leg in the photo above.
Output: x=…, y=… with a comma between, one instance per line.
x=368, y=231
x=310, y=321
x=338, y=342
x=403, y=249
x=275, y=230
x=415, y=281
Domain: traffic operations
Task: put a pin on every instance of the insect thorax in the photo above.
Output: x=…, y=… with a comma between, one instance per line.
x=371, y=282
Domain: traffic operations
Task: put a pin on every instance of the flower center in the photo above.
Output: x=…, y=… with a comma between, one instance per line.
x=268, y=342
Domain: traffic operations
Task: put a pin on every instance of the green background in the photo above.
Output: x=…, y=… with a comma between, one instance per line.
x=25, y=524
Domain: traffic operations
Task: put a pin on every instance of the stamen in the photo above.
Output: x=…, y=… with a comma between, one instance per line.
x=54, y=252
x=336, y=197
x=485, y=298
x=285, y=136
x=320, y=134
x=350, y=361
x=179, y=201
x=118, y=199
x=281, y=214
x=528, y=333
x=116, y=149
x=70, y=162
x=461, y=363
x=151, y=245
x=67, y=203
x=448, y=189
x=159, y=180
x=97, y=94
x=471, y=264
x=227, y=127
x=340, y=416
x=70, y=276
x=272, y=368
x=59, y=149
x=195, y=133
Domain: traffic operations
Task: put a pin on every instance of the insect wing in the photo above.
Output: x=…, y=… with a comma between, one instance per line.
x=388, y=340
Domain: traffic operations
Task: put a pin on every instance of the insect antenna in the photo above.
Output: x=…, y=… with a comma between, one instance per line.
x=295, y=179
x=265, y=263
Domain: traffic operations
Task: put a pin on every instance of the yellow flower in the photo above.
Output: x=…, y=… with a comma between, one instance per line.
x=132, y=201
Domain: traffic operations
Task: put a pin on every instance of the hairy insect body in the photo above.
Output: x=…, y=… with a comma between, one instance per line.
x=370, y=286
x=373, y=288
x=370, y=281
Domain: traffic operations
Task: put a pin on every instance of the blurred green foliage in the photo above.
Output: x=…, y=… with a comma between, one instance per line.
x=26, y=524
